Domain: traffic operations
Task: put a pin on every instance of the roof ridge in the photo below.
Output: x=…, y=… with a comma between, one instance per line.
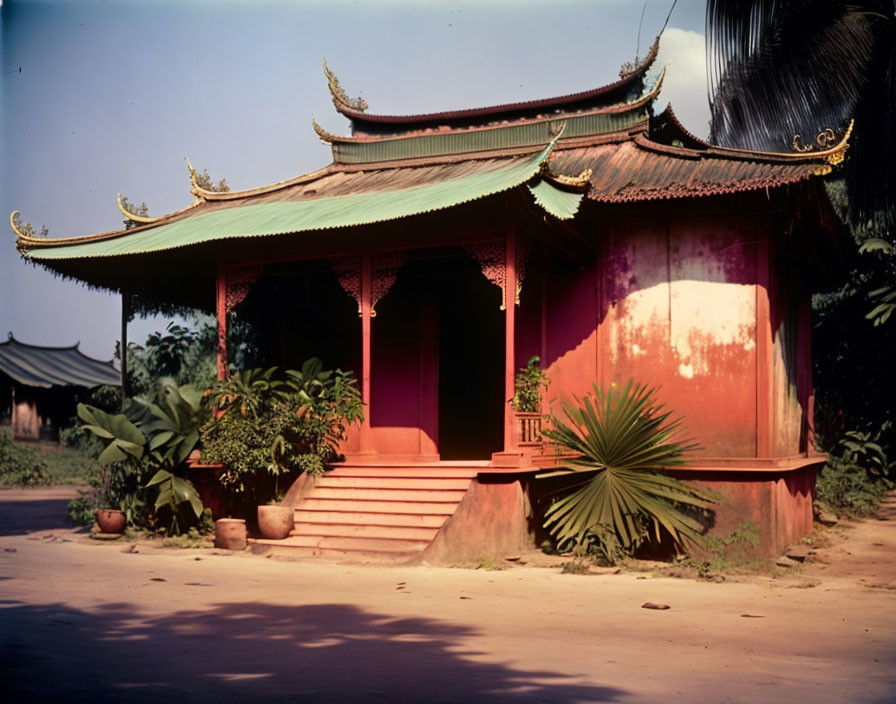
x=75, y=347
x=345, y=107
x=630, y=106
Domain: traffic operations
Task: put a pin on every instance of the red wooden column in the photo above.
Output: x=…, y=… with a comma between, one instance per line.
x=509, y=338
x=366, y=295
x=221, y=311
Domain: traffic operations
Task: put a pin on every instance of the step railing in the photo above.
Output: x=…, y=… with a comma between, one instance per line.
x=528, y=429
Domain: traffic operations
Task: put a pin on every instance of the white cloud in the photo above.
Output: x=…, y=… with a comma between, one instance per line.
x=683, y=52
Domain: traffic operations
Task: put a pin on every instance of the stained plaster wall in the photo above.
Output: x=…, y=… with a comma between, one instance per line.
x=675, y=303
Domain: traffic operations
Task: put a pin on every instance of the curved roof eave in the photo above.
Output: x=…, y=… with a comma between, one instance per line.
x=354, y=114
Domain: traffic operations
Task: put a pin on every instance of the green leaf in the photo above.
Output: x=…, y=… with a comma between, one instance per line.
x=159, y=477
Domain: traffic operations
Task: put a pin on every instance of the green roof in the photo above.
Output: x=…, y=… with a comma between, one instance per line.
x=530, y=134
x=279, y=218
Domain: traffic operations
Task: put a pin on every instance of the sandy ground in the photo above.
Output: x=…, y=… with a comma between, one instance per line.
x=82, y=620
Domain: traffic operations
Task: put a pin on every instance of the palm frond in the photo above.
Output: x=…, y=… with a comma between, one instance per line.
x=624, y=438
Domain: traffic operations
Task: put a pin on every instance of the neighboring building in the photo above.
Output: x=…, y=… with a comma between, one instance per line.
x=41, y=385
x=582, y=228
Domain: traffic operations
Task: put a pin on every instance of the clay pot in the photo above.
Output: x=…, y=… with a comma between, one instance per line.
x=275, y=521
x=110, y=520
x=230, y=534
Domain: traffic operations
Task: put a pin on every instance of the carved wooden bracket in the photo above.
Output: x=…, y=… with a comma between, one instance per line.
x=348, y=271
x=239, y=281
x=492, y=256
x=384, y=270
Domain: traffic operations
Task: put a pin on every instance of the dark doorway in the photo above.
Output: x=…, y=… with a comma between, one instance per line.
x=442, y=306
x=298, y=311
x=471, y=363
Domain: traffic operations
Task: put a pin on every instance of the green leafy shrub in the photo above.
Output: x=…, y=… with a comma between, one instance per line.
x=857, y=473
x=144, y=459
x=267, y=425
x=20, y=465
x=618, y=498
x=529, y=384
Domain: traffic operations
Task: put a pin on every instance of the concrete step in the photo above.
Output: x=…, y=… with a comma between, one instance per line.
x=418, y=520
x=375, y=494
x=364, y=531
x=423, y=472
x=431, y=483
x=313, y=503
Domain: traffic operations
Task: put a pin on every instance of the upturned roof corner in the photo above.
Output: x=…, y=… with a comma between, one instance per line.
x=132, y=216
x=340, y=97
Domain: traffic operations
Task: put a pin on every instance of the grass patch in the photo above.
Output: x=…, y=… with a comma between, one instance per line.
x=23, y=465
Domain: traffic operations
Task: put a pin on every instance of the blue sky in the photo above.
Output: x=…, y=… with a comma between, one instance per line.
x=112, y=95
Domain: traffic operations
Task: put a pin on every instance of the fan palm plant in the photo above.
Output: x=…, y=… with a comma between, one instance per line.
x=623, y=440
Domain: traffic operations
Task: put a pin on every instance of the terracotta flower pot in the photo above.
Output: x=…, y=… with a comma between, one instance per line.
x=230, y=534
x=111, y=520
x=275, y=521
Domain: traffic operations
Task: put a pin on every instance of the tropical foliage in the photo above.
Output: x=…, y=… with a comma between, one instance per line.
x=268, y=424
x=530, y=383
x=857, y=473
x=619, y=497
x=145, y=456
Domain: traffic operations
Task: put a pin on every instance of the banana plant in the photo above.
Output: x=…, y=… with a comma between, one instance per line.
x=159, y=436
x=125, y=439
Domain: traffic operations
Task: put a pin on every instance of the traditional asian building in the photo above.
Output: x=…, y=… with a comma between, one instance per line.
x=42, y=384
x=438, y=252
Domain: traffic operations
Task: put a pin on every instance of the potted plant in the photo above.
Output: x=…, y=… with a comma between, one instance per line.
x=529, y=385
x=268, y=425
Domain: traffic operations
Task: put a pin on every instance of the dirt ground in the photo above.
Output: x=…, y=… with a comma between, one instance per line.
x=82, y=619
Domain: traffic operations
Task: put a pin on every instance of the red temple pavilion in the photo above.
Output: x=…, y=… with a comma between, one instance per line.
x=438, y=252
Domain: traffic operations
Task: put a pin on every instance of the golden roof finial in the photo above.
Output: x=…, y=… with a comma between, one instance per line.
x=12, y=223
x=196, y=190
x=131, y=216
x=321, y=132
x=339, y=95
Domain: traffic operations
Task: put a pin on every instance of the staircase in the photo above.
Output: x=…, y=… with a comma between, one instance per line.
x=375, y=513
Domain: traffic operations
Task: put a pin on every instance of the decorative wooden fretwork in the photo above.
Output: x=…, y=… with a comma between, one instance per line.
x=491, y=257
x=384, y=269
x=348, y=271
x=522, y=257
x=239, y=281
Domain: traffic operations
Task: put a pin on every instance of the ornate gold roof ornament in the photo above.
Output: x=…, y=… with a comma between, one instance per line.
x=838, y=153
x=580, y=182
x=12, y=223
x=196, y=189
x=630, y=67
x=131, y=216
x=339, y=95
x=825, y=141
x=322, y=133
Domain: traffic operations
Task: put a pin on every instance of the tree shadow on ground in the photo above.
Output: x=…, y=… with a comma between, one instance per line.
x=29, y=516
x=253, y=652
